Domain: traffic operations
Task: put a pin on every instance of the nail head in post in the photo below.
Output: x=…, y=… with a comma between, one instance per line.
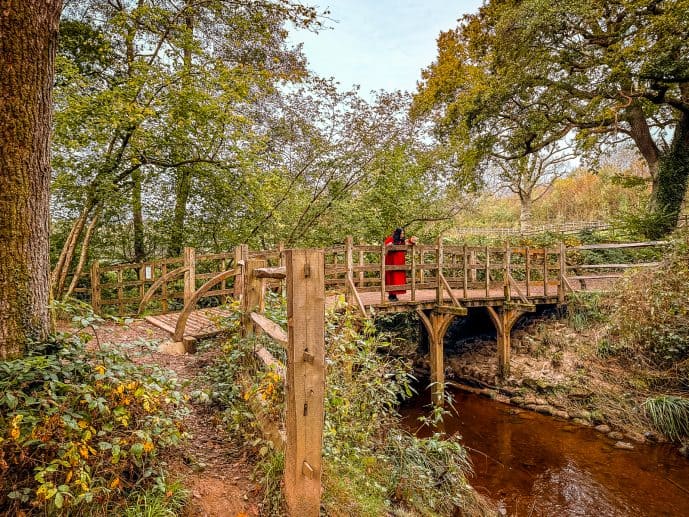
x=307, y=270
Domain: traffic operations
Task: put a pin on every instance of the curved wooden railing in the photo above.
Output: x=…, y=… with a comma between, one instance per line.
x=191, y=304
x=158, y=283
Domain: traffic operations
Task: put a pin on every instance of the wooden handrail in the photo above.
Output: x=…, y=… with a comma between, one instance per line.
x=189, y=306
x=155, y=285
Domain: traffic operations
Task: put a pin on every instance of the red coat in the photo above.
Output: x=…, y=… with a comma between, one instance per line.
x=395, y=258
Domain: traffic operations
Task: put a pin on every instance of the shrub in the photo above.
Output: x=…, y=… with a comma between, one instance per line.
x=651, y=314
x=80, y=427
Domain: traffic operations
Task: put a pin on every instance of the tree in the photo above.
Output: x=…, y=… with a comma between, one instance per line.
x=27, y=52
x=524, y=175
x=153, y=95
x=519, y=75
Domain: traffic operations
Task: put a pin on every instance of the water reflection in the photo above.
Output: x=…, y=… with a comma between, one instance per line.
x=535, y=465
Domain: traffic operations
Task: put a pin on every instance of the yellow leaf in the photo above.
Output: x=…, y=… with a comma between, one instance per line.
x=115, y=483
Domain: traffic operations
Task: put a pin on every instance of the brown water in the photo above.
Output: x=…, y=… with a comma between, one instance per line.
x=536, y=465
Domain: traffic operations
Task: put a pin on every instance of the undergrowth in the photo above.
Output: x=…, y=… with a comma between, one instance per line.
x=81, y=430
x=370, y=465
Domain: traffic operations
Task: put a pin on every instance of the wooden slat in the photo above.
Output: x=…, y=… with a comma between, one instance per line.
x=271, y=328
x=614, y=246
x=614, y=266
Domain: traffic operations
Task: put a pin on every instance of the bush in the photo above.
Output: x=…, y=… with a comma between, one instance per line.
x=80, y=428
x=651, y=315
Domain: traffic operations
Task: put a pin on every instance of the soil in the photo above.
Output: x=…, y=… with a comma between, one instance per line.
x=210, y=464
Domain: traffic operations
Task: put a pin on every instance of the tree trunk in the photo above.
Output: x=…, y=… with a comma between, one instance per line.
x=182, y=192
x=525, y=213
x=28, y=43
x=83, y=255
x=137, y=213
x=672, y=179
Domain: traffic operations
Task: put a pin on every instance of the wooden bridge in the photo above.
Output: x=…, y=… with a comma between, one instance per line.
x=443, y=282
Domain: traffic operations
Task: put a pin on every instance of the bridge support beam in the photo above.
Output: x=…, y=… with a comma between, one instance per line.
x=504, y=319
x=436, y=325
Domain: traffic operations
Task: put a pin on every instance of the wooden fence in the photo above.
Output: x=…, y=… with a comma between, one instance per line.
x=563, y=228
x=458, y=271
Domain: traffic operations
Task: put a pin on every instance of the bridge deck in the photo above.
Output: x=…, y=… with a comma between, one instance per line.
x=202, y=323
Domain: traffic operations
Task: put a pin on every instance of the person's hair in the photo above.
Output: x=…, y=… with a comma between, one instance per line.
x=397, y=236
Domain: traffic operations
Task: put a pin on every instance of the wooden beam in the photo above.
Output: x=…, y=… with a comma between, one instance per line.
x=270, y=362
x=189, y=274
x=451, y=309
x=305, y=380
x=272, y=329
x=614, y=246
x=252, y=299
x=277, y=273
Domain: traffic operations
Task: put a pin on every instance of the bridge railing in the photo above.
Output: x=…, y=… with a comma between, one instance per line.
x=474, y=271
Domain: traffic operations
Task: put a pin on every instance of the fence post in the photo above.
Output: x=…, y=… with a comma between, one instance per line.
x=95, y=286
x=527, y=266
x=563, y=262
x=241, y=255
x=382, y=273
x=508, y=259
x=349, y=263
x=487, y=272
x=439, y=263
x=252, y=299
x=466, y=272
x=305, y=380
x=190, y=274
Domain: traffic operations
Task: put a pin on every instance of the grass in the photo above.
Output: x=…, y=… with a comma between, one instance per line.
x=159, y=501
x=669, y=415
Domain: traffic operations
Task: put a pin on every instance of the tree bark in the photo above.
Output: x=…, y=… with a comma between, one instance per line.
x=138, y=217
x=672, y=179
x=525, y=212
x=28, y=41
x=182, y=192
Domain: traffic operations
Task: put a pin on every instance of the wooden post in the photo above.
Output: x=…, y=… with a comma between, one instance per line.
x=281, y=251
x=305, y=380
x=95, y=286
x=466, y=272
x=382, y=273
x=241, y=255
x=439, y=264
x=413, y=273
x=349, y=264
x=545, y=271
x=508, y=294
x=527, y=261
x=561, y=265
x=163, y=288
x=487, y=272
x=422, y=261
x=190, y=274
x=504, y=319
x=252, y=299
x=142, y=281
x=472, y=263
x=361, y=263
x=436, y=325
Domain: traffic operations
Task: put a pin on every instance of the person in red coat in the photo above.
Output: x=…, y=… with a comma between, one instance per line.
x=396, y=258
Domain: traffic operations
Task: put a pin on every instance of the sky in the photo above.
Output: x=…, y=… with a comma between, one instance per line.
x=380, y=44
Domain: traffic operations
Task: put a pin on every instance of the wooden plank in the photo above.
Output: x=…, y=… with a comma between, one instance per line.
x=305, y=381
x=160, y=323
x=270, y=362
x=452, y=309
x=278, y=272
x=190, y=274
x=614, y=266
x=271, y=328
x=621, y=245
x=595, y=277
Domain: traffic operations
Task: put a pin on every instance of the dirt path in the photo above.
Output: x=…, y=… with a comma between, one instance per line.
x=210, y=464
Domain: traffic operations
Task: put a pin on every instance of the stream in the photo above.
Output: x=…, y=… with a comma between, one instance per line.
x=534, y=465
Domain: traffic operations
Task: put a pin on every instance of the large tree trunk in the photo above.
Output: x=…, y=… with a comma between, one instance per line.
x=28, y=40
x=525, y=212
x=182, y=192
x=672, y=179
x=137, y=212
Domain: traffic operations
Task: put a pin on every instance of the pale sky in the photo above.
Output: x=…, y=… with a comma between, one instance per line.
x=380, y=44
